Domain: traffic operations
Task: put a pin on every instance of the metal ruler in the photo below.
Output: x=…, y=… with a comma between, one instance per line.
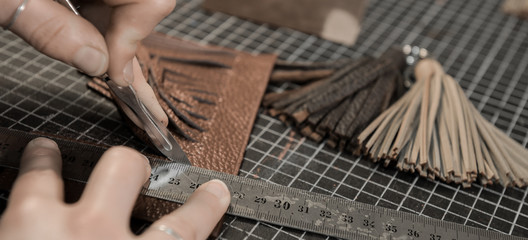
x=260, y=200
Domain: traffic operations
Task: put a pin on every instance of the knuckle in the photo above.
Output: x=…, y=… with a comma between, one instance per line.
x=118, y=150
x=126, y=158
x=123, y=153
x=47, y=33
x=38, y=174
x=43, y=152
x=163, y=7
x=44, y=141
x=27, y=207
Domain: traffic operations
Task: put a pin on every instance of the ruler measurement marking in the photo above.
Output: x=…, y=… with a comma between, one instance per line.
x=81, y=159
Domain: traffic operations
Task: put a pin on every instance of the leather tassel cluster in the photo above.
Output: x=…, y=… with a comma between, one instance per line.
x=337, y=100
x=436, y=131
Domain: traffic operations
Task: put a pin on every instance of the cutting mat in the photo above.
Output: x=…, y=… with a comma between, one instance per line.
x=485, y=50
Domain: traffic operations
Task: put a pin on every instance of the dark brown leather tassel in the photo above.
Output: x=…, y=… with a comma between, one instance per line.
x=436, y=131
x=340, y=102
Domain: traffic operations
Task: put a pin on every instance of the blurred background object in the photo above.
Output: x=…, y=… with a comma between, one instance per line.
x=517, y=8
x=334, y=20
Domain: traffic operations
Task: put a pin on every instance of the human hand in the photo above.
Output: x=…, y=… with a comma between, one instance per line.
x=36, y=209
x=103, y=40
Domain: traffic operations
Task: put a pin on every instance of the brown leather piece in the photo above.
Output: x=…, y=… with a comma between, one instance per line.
x=335, y=20
x=218, y=90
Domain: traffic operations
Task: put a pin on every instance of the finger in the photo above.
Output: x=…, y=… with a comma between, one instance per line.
x=40, y=172
x=130, y=114
x=146, y=95
x=115, y=184
x=130, y=22
x=60, y=34
x=197, y=217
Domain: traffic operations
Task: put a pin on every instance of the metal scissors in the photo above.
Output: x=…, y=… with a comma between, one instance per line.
x=159, y=135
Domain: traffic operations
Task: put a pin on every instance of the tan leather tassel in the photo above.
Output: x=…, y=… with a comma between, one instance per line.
x=440, y=134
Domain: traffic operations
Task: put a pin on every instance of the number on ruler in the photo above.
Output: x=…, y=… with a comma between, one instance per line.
x=435, y=237
x=391, y=228
x=368, y=223
x=153, y=177
x=174, y=181
x=260, y=200
x=346, y=218
x=284, y=205
x=325, y=214
x=412, y=233
x=302, y=209
x=239, y=195
x=194, y=186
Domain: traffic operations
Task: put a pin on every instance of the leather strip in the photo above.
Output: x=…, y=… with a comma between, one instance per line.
x=339, y=104
x=211, y=96
x=436, y=131
x=216, y=89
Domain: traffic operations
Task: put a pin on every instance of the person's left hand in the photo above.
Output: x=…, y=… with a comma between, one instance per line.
x=36, y=209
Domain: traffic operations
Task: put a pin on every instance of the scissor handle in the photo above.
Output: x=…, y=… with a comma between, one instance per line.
x=70, y=5
x=158, y=133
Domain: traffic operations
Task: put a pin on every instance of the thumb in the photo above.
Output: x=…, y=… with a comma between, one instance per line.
x=59, y=33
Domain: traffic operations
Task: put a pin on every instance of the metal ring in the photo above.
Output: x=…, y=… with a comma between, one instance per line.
x=19, y=10
x=169, y=231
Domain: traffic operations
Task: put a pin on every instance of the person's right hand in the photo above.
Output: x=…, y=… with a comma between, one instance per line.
x=103, y=40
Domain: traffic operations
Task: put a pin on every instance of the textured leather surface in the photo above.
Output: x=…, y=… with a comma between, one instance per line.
x=222, y=87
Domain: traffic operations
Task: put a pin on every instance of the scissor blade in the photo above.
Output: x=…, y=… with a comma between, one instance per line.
x=176, y=154
x=159, y=135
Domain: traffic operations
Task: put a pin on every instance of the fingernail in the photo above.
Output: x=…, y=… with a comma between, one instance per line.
x=90, y=60
x=43, y=142
x=148, y=170
x=147, y=164
x=217, y=188
x=128, y=72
